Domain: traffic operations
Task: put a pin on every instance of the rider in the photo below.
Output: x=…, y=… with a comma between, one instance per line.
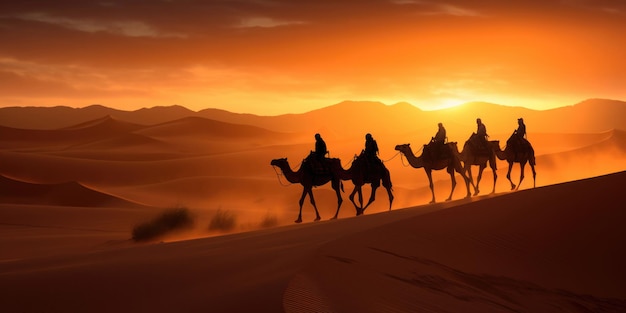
x=481, y=133
x=320, y=148
x=440, y=137
x=438, y=142
x=521, y=129
x=318, y=160
x=518, y=139
x=371, y=149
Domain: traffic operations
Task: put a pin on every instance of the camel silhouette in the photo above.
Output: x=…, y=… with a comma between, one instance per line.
x=308, y=178
x=526, y=154
x=473, y=154
x=450, y=162
x=364, y=171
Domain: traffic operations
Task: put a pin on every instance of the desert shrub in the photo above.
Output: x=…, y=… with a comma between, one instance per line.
x=223, y=221
x=269, y=220
x=170, y=220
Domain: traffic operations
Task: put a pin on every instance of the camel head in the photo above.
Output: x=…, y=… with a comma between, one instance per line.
x=403, y=147
x=279, y=162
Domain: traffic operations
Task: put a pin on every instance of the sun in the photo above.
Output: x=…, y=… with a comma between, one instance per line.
x=446, y=103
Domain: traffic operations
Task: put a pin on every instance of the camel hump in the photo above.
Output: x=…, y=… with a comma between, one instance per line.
x=438, y=151
x=320, y=167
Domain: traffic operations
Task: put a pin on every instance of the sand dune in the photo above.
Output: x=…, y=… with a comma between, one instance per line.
x=58, y=139
x=198, y=126
x=63, y=194
x=540, y=250
x=552, y=248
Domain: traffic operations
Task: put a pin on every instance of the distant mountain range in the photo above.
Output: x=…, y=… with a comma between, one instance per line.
x=346, y=119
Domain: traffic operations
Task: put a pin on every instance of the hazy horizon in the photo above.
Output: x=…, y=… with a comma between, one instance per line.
x=306, y=110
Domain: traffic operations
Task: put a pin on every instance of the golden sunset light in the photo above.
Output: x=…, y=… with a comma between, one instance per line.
x=276, y=57
x=312, y=156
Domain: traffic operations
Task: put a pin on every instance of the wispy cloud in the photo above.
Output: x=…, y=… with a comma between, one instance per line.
x=612, y=10
x=448, y=9
x=265, y=22
x=605, y=6
x=438, y=8
x=124, y=28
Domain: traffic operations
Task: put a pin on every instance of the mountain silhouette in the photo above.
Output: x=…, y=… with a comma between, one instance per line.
x=352, y=118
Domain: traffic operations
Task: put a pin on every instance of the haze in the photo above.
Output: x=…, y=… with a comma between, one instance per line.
x=275, y=57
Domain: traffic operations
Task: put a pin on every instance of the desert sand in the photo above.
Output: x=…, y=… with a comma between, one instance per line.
x=553, y=248
x=71, y=195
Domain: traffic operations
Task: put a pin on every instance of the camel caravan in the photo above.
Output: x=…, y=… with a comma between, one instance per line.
x=366, y=168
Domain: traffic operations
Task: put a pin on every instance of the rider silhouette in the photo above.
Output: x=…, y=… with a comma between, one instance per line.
x=371, y=150
x=518, y=140
x=440, y=137
x=481, y=134
x=319, y=161
x=320, y=148
x=521, y=129
x=438, y=142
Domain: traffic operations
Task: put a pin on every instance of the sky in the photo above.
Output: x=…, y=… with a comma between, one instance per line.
x=271, y=57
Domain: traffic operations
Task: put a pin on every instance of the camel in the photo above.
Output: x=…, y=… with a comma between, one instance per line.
x=526, y=155
x=472, y=155
x=361, y=173
x=307, y=177
x=451, y=163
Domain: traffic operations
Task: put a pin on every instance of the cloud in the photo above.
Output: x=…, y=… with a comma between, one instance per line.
x=605, y=6
x=127, y=28
x=37, y=80
x=448, y=9
x=265, y=22
x=438, y=8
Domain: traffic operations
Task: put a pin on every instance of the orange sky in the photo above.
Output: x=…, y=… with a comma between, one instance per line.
x=272, y=57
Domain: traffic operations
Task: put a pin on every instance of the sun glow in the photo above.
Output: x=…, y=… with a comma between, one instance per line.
x=444, y=103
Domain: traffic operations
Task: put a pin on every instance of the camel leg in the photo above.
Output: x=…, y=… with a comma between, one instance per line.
x=351, y=197
x=521, y=175
x=372, y=197
x=387, y=184
x=508, y=175
x=492, y=163
x=430, y=183
x=467, y=181
x=451, y=172
x=357, y=188
x=317, y=213
x=532, y=167
x=337, y=186
x=304, y=193
x=468, y=170
x=359, y=211
x=481, y=168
